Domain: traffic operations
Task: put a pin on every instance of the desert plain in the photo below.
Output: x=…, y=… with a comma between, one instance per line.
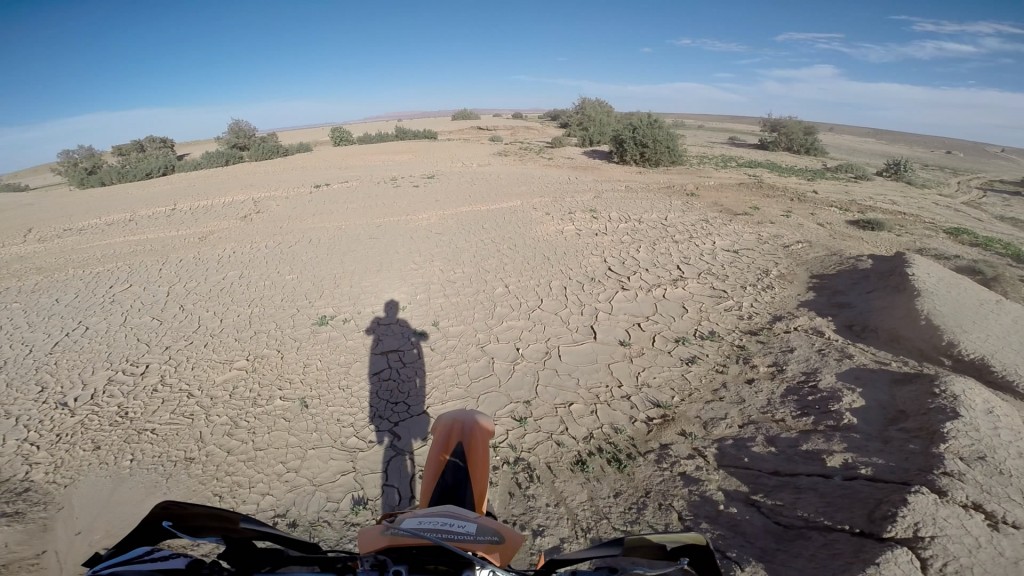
x=705, y=347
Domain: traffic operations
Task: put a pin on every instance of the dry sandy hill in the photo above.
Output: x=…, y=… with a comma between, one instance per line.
x=704, y=348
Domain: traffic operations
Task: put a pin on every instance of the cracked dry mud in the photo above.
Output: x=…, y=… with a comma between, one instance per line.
x=254, y=339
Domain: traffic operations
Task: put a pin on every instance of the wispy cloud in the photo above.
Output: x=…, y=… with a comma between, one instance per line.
x=913, y=50
x=647, y=50
x=808, y=37
x=709, y=44
x=983, y=27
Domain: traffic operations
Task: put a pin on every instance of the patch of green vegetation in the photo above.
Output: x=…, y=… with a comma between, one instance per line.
x=465, y=114
x=496, y=138
x=581, y=463
x=988, y=243
x=682, y=340
x=625, y=343
x=854, y=171
x=872, y=224
x=560, y=142
x=14, y=187
x=323, y=320
x=726, y=162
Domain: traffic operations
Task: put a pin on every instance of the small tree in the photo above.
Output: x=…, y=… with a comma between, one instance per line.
x=144, y=159
x=83, y=167
x=646, y=140
x=465, y=114
x=211, y=159
x=790, y=134
x=517, y=116
x=341, y=136
x=240, y=135
x=592, y=122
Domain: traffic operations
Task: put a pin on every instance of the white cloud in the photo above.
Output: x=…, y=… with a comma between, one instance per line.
x=647, y=50
x=984, y=27
x=914, y=50
x=724, y=75
x=807, y=36
x=709, y=44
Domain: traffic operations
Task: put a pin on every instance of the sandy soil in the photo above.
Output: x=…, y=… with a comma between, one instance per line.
x=700, y=349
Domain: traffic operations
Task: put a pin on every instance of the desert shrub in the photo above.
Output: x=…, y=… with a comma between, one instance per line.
x=144, y=166
x=341, y=136
x=239, y=135
x=465, y=114
x=735, y=139
x=211, y=159
x=377, y=137
x=300, y=148
x=872, y=224
x=84, y=167
x=266, y=147
x=14, y=187
x=558, y=115
x=403, y=133
x=898, y=169
x=644, y=139
x=790, y=134
x=559, y=142
x=991, y=244
x=855, y=171
x=497, y=115
x=592, y=121
x=495, y=138
x=517, y=115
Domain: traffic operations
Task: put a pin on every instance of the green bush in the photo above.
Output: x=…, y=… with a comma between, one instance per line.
x=855, y=171
x=517, y=116
x=211, y=159
x=735, y=139
x=898, y=169
x=14, y=187
x=592, y=121
x=465, y=114
x=84, y=167
x=300, y=148
x=644, y=139
x=557, y=115
x=240, y=135
x=495, y=138
x=560, y=142
x=266, y=147
x=376, y=137
x=403, y=133
x=790, y=134
x=497, y=115
x=341, y=136
x=144, y=167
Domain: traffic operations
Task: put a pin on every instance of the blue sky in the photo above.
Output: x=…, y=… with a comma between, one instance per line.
x=102, y=73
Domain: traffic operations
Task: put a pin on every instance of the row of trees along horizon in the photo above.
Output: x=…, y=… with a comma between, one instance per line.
x=635, y=139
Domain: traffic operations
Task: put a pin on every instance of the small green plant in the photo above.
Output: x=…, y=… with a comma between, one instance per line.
x=898, y=169
x=303, y=405
x=360, y=503
x=299, y=148
x=988, y=243
x=691, y=436
x=661, y=404
x=465, y=114
x=872, y=224
x=323, y=320
x=581, y=464
x=645, y=140
x=495, y=138
x=790, y=134
x=682, y=340
x=736, y=139
x=436, y=324
x=559, y=142
x=341, y=136
x=517, y=116
x=625, y=343
x=691, y=361
x=521, y=420
x=710, y=336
